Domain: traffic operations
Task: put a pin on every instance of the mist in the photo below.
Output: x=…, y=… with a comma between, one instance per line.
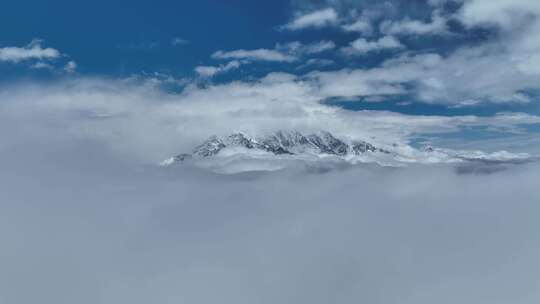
x=79, y=223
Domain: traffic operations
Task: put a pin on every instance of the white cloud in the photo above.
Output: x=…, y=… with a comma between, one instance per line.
x=255, y=55
x=32, y=51
x=319, y=47
x=125, y=233
x=503, y=13
x=362, y=25
x=518, y=23
x=298, y=49
x=316, y=19
x=211, y=71
x=362, y=46
x=465, y=75
x=142, y=122
x=359, y=83
x=408, y=26
x=287, y=52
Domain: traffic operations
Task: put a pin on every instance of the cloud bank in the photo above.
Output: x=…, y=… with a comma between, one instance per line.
x=139, y=120
x=80, y=224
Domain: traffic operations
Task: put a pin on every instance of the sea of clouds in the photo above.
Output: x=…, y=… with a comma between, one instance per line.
x=86, y=215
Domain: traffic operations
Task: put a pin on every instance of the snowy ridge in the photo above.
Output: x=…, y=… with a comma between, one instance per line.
x=284, y=148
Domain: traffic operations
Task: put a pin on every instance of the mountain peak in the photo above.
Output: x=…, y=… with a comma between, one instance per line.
x=281, y=143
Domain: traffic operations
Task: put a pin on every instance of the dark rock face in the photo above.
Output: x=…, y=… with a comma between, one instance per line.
x=209, y=148
x=363, y=147
x=428, y=149
x=238, y=139
x=281, y=143
x=329, y=144
x=182, y=157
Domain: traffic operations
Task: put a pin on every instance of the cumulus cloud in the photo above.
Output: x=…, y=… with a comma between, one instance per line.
x=32, y=51
x=503, y=13
x=315, y=19
x=362, y=46
x=519, y=24
x=464, y=76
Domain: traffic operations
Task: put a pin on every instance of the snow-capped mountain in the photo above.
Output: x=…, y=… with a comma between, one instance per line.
x=280, y=143
x=239, y=152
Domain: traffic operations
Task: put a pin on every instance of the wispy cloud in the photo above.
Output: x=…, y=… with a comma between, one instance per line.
x=407, y=26
x=316, y=62
x=42, y=66
x=211, y=71
x=146, y=45
x=316, y=19
x=179, y=41
x=255, y=55
x=299, y=49
x=70, y=67
x=363, y=26
x=286, y=52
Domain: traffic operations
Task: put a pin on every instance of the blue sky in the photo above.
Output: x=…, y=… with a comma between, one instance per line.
x=440, y=58
x=124, y=37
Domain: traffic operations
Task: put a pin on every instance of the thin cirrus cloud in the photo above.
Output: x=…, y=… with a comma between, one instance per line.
x=287, y=52
x=176, y=41
x=32, y=51
x=316, y=62
x=255, y=55
x=316, y=19
x=211, y=71
x=42, y=66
